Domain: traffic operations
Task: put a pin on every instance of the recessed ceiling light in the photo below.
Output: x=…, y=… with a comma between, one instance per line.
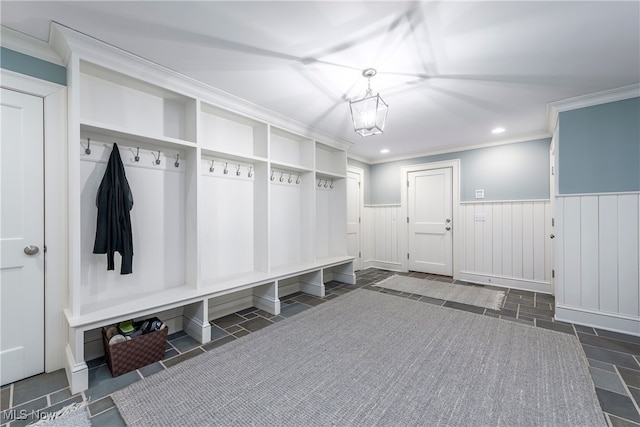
x=384, y=150
x=498, y=130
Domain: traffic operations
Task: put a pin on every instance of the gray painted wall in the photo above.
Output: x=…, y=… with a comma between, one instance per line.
x=34, y=67
x=518, y=171
x=599, y=148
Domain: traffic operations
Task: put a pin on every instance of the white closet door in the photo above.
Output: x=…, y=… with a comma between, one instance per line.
x=21, y=237
x=430, y=226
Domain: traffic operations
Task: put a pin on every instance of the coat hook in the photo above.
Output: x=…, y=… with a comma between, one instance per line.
x=331, y=186
x=250, y=174
x=289, y=180
x=281, y=176
x=272, y=177
x=87, y=150
x=319, y=183
x=157, y=162
x=137, y=157
x=238, y=171
x=298, y=180
x=211, y=169
x=226, y=168
x=326, y=183
x=177, y=163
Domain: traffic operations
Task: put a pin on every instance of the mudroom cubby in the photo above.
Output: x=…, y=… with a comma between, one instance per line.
x=331, y=216
x=227, y=211
x=291, y=218
x=158, y=177
x=233, y=221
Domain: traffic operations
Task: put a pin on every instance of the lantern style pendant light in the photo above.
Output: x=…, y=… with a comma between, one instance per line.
x=369, y=114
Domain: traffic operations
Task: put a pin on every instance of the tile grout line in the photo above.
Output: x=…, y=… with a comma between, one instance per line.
x=626, y=388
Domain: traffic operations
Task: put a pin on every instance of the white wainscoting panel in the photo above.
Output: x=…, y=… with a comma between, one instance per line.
x=598, y=260
x=380, y=237
x=507, y=243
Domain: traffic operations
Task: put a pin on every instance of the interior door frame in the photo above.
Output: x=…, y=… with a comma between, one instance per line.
x=56, y=236
x=354, y=169
x=403, y=229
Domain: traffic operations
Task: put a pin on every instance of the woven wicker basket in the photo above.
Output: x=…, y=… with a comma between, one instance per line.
x=135, y=353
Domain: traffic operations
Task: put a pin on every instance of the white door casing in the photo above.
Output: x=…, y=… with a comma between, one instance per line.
x=429, y=208
x=354, y=214
x=21, y=237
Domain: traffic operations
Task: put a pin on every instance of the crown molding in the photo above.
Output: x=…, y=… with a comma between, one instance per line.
x=66, y=41
x=583, y=101
x=27, y=45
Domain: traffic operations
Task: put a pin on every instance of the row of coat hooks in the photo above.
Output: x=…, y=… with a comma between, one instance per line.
x=284, y=176
x=136, y=157
x=225, y=170
x=327, y=183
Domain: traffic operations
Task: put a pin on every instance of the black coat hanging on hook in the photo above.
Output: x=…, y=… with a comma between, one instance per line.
x=114, y=201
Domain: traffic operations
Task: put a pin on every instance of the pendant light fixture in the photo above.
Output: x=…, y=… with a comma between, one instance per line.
x=369, y=113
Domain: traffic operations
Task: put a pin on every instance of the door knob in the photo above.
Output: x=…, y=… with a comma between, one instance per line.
x=552, y=236
x=31, y=250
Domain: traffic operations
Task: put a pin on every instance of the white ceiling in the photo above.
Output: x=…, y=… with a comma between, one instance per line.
x=450, y=71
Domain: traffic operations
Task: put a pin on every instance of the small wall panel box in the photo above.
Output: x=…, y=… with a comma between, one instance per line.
x=479, y=194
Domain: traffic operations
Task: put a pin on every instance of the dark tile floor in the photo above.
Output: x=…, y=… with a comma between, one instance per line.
x=613, y=358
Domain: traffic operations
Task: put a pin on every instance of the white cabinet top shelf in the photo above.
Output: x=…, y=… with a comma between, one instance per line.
x=120, y=135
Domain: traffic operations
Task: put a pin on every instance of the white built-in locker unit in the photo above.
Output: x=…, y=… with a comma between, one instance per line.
x=233, y=207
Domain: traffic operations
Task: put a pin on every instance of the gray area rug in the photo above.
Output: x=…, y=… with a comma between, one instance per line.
x=477, y=296
x=374, y=359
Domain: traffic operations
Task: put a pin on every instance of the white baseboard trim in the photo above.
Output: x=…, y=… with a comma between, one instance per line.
x=267, y=303
x=77, y=373
x=598, y=319
x=385, y=265
x=506, y=282
x=220, y=307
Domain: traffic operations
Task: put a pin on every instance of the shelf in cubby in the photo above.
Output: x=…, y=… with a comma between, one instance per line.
x=289, y=167
x=291, y=150
x=238, y=157
x=119, y=135
x=330, y=160
x=134, y=106
x=225, y=131
x=330, y=175
x=126, y=307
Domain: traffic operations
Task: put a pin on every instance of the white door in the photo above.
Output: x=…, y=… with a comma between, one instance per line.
x=354, y=201
x=429, y=221
x=21, y=237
